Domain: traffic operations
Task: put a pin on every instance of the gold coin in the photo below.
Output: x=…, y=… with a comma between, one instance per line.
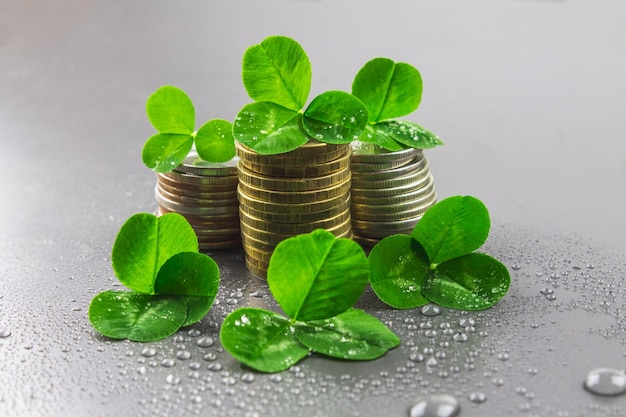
x=370, y=153
x=365, y=241
x=396, y=163
x=174, y=177
x=408, y=169
x=295, y=209
x=193, y=164
x=195, y=192
x=297, y=217
x=291, y=184
x=293, y=228
x=257, y=268
x=383, y=229
x=427, y=189
x=392, y=217
x=286, y=197
x=421, y=202
x=211, y=220
x=315, y=170
x=393, y=182
x=387, y=192
x=205, y=246
x=250, y=241
x=196, y=202
x=170, y=205
x=311, y=153
x=230, y=185
x=227, y=232
x=271, y=237
x=257, y=254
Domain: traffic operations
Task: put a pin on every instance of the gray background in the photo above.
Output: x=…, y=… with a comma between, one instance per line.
x=529, y=97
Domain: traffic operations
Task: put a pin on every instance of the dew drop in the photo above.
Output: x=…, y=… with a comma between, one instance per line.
x=438, y=405
x=168, y=363
x=4, y=333
x=172, y=380
x=431, y=310
x=183, y=355
x=477, y=397
x=148, y=352
x=606, y=381
x=205, y=342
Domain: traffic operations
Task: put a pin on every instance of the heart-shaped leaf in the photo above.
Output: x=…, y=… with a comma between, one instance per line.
x=335, y=117
x=215, y=142
x=278, y=71
x=408, y=134
x=316, y=276
x=261, y=339
x=165, y=151
x=353, y=335
x=170, y=110
x=377, y=136
x=268, y=128
x=144, y=243
x=388, y=89
x=398, y=268
x=453, y=227
x=471, y=282
x=193, y=275
x=135, y=316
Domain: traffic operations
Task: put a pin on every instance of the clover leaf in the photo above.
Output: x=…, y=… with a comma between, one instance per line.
x=277, y=74
x=437, y=264
x=172, y=285
x=172, y=114
x=316, y=279
x=390, y=90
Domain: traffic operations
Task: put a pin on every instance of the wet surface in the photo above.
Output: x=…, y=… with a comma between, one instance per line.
x=530, y=128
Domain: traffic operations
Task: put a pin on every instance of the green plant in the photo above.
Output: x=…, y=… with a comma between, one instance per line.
x=390, y=90
x=316, y=279
x=277, y=75
x=172, y=284
x=172, y=114
x=437, y=264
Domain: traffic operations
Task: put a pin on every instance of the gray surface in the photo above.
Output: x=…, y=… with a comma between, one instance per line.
x=529, y=97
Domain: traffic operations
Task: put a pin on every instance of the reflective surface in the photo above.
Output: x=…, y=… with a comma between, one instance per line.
x=527, y=95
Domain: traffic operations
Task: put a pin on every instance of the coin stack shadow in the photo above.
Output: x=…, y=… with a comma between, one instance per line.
x=390, y=191
x=205, y=193
x=287, y=194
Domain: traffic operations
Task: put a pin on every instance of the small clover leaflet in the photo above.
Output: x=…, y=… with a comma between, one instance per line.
x=277, y=74
x=172, y=285
x=437, y=263
x=390, y=90
x=172, y=114
x=316, y=279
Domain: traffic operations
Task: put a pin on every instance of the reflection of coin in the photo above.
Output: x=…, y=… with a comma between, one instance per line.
x=284, y=197
x=291, y=184
x=193, y=164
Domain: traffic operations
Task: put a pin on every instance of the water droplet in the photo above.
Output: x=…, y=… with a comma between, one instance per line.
x=477, y=397
x=431, y=310
x=168, y=363
x=194, y=333
x=460, y=337
x=148, y=352
x=205, y=342
x=247, y=377
x=5, y=333
x=606, y=381
x=516, y=267
x=183, y=355
x=438, y=405
x=172, y=380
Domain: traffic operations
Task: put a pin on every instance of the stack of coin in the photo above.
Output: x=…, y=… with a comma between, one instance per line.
x=288, y=194
x=205, y=193
x=390, y=191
